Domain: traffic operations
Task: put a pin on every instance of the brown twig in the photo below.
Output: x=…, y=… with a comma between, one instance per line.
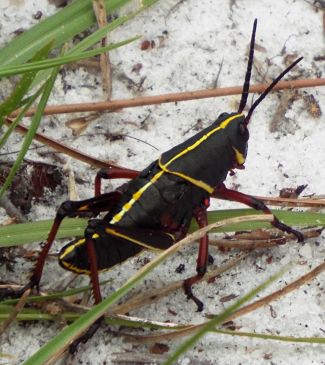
x=292, y=202
x=100, y=12
x=253, y=244
x=92, y=161
x=10, y=209
x=170, y=98
x=15, y=311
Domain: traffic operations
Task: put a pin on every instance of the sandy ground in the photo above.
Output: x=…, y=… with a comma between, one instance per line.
x=192, y=40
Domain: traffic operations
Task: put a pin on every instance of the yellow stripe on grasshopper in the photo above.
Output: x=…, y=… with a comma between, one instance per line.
x=201, y=184
x=239, y=156
x=222, y=125
x=136, y=196
x=130, y=239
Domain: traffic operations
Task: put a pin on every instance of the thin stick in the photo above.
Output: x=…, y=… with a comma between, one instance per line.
x=11, y=209
x=92, y=161
x=253, y=244
x=293, y=202
x=105, y=65
x=170, y=98
x=15, y=311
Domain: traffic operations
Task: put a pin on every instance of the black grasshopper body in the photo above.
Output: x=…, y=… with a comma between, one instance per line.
x=172, y=188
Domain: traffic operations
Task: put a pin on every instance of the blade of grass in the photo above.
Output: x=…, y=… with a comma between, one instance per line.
x=100, y=33
x=265, y=336
x=32, y=130
x=291, y=218
x=69, y=334
x=93, y=39
x=14, y=100
x=19, y=234
x=58, y=61
x=57, y=295
x=33, y=314
x=62, y=26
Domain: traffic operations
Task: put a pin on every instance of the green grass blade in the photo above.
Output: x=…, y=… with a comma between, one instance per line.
x=264, y=336
x=102, y=32
x=18, y=234
x=58, y=61
x=62, y=26
x=96, y=37
x=57, y=295
x=14, y=100
x=89, y=42
x=291, y=218
x=210, y=325
x=33, y=314
x=32, y=130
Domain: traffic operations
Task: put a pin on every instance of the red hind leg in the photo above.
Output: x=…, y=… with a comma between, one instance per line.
x=92, y=258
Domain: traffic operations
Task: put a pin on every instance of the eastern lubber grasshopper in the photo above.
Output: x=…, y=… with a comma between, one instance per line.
x=154, y=209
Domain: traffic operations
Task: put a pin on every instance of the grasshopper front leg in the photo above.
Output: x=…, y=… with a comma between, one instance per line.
x=200, y=215
x=221, y=192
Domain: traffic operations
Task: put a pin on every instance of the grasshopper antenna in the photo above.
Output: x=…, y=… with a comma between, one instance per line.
x=244, y=94
x=269, y=88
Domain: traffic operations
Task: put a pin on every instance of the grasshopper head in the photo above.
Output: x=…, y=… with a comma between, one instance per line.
x=238, y=135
